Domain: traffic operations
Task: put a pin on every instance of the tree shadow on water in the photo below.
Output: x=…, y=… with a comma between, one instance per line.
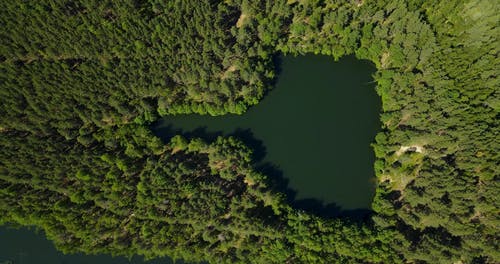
x=314, y=206
x=275, y=178
x=331, y=210
x=248, y=138
x=277, y=61
x=274, y=173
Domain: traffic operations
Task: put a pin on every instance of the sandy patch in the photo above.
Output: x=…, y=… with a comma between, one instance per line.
x=413, y=148
x=241, y=20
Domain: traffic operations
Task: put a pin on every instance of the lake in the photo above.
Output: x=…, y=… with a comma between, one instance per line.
x=311, y=133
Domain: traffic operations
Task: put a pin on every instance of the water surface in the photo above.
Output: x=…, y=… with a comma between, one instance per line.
x=312, y=131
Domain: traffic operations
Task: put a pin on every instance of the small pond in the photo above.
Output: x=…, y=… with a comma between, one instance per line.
x=311, y=133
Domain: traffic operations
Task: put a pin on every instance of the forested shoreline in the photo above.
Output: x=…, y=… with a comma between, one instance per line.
x=82, y=80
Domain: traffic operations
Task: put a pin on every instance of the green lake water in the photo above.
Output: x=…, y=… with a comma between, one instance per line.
x=311, y=133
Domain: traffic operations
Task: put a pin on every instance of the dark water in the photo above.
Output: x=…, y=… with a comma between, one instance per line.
x=25, y=246
x=311, y=133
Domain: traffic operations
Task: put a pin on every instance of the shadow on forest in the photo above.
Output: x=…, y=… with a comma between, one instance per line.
x=275, y=175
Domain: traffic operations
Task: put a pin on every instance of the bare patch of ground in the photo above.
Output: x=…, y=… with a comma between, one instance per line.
x=249, y=182
x=231, y=68
x=241, y=20
x=405, y=117
x=384, y=60
x=412, y=148
x=359, y=2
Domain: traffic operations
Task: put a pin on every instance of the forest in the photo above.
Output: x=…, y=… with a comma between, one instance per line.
x=82, y=80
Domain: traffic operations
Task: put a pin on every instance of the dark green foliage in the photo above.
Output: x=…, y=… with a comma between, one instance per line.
x=80, y=79
x=154, y=59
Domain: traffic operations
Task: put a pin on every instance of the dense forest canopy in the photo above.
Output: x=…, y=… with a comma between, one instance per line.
x=81, y=80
